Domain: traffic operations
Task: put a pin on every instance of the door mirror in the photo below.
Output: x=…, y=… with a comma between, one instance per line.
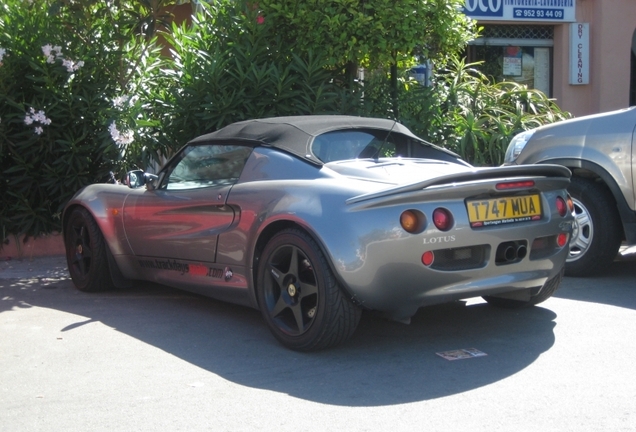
x=138, y=178
x=135, y=179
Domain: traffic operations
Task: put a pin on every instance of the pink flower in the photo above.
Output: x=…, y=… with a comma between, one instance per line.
x=260, y=19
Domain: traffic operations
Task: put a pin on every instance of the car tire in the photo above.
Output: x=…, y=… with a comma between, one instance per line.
x=546, y=292
x=597, y=237
x=86, y=253
x=302, y=303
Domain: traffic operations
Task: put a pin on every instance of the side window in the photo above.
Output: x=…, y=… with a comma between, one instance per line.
x=206, y=165
x=352, y=144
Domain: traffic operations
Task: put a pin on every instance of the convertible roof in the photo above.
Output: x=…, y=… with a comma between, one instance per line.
x=295, y=134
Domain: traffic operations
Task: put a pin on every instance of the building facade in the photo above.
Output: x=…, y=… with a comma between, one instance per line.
x=580, y=52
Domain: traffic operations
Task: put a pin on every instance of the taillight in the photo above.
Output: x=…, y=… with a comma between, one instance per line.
x=562, y=239
x=443, y=219
x=570, y=204
x=561, y=206
x=428, y=258
x=413, y=221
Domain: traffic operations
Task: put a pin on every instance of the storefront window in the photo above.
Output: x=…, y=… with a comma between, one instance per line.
x=516, y=53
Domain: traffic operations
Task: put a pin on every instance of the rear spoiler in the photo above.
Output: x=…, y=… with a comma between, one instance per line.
x=547, y=170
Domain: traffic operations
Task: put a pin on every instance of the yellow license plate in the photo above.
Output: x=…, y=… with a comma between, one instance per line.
x=495, y=211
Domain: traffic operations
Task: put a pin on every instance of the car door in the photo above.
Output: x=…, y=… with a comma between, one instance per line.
x=182, y=217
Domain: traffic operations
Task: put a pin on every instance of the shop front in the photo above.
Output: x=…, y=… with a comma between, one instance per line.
x=572, y=50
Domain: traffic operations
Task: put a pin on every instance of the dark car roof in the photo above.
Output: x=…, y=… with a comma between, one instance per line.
x=296, y=133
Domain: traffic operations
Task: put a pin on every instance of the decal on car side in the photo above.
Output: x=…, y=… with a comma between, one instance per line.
x=183, y=268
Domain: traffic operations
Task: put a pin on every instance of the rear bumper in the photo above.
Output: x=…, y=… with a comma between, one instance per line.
x=391, y=277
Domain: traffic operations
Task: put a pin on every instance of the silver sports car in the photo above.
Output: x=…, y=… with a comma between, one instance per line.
x=314, y=219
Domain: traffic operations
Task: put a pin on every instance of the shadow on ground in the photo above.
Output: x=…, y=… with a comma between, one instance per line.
x=385, y=363
x=615, y=286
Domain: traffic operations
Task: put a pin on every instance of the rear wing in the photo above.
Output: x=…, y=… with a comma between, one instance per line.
x=504, y=173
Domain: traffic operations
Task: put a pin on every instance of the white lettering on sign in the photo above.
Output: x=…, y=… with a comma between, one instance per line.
x=490, y=5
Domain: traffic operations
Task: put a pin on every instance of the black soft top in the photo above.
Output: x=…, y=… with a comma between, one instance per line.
x=295, y=134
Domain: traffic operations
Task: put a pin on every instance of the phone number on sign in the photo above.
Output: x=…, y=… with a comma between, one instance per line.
x=538, y=13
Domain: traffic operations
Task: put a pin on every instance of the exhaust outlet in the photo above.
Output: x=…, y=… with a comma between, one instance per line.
x=521, y=252
x=511, y=252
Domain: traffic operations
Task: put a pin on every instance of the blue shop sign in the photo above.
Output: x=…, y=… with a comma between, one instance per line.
x=521, y=10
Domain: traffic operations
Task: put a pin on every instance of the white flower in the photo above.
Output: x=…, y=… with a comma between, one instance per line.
x=3, y=52
x=51, y=52
x=41, y=118
x=54, y=53
x=71, y=66
x=120, y=138
x=119, y=101
x=68, y=64
x=36, y=117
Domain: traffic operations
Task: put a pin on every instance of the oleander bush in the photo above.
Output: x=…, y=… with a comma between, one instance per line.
x=64, y=67
x=85, y=92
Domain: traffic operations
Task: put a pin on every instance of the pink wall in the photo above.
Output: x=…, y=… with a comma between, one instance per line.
x=612, y=24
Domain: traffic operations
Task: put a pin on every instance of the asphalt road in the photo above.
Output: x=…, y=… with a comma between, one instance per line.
x=157, y=359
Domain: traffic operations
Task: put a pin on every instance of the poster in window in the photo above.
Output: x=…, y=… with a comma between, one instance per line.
x=512, y=61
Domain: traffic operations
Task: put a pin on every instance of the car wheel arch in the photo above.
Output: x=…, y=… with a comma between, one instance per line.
x=119, y=280
x=69, y=210
x=583, y=168
x=266, y=234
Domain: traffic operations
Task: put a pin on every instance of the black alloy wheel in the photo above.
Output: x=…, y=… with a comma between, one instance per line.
x=303, y=305
x=86, y=252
